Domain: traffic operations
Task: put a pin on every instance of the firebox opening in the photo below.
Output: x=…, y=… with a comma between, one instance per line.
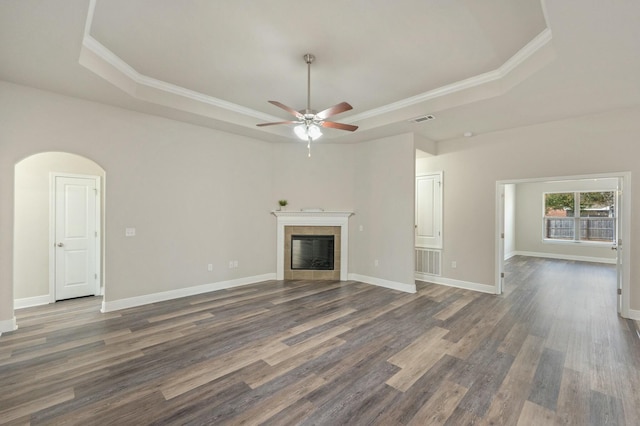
x=312, y=252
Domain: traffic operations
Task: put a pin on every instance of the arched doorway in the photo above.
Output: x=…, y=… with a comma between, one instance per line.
x=34, y=275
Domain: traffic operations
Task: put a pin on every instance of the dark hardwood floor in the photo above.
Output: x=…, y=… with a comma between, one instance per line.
x=551, y=350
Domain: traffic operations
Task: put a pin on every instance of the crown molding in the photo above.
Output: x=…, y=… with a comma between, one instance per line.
x=98, y=49
x=512, y=63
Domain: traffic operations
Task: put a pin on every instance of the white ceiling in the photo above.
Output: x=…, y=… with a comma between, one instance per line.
x=478, y=66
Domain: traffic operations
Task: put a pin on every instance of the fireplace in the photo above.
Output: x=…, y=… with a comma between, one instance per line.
x=312, y=252
x=312, y=223
x=311, y=241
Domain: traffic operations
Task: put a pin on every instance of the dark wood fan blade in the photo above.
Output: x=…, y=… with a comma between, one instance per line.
x=288, y=109
x=278, y=122
x=336, y=109
x=340, y=126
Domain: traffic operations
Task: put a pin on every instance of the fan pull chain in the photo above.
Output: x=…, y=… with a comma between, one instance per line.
x=309, y=145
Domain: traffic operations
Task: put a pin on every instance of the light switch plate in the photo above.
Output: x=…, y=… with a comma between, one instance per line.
x=130, y=232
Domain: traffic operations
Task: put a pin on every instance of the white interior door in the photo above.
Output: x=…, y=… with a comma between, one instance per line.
x=429, y=211
x=76, y=234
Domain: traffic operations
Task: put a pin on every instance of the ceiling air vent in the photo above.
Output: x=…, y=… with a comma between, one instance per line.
x=422, y=118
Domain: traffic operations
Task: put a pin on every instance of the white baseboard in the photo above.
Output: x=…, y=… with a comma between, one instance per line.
x=566, y=257
x=407, y=288
x=509, y=255
x=634, y=314
x=8, y=325
x=28, y=302
x=116, y=305
x=467, y=285
x=429, y=278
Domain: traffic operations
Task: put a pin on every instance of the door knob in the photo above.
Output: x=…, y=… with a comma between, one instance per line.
x=60, y=245
x=614, y=248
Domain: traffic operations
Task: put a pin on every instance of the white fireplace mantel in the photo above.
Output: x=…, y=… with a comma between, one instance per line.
x=313, y=218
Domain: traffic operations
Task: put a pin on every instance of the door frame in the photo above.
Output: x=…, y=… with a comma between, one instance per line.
x=624, y=218
x=52, y=231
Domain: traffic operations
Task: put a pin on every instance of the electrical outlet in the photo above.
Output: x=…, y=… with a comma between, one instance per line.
x=130, y=232
x=376, y=262
x=454, y=264
x=210, y=267
x=361, y=228
x=231, y=264
x=235, y=263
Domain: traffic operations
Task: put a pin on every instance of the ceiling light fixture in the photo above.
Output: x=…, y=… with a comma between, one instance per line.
x=306, y=131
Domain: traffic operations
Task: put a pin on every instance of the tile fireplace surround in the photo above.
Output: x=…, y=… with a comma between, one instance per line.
x=304, y=221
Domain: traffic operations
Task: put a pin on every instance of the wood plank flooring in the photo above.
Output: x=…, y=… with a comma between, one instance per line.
x=551, y=350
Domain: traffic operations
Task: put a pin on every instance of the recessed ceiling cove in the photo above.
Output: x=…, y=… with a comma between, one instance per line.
x=245, y=51
x=380, y=55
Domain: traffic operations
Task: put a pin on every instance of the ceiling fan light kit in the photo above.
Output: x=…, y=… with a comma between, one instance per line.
x=308, y=120
x=305, y=132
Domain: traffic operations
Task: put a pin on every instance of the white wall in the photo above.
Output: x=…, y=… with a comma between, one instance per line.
x=195, y=195
x=198, y=196
x=326, y=180
x=32, y=205
x=384, y=200
x=603, y=143
x=530, y=222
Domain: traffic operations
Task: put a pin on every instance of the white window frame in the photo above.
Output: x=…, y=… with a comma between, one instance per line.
x=576, y=220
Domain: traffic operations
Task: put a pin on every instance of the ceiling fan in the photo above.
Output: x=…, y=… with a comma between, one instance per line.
x=308, y=120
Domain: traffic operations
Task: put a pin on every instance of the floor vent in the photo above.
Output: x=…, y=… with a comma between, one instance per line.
x=428, y=261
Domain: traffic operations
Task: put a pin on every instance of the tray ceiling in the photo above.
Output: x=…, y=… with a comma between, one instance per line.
x=476, y=66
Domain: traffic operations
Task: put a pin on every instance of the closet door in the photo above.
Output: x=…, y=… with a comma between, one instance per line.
x=429, y=210
x=76, y=227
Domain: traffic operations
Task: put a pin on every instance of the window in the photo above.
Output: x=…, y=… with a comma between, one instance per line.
x=580, y=216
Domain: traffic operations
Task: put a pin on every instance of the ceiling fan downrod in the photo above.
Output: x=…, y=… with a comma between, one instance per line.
x=309, y=58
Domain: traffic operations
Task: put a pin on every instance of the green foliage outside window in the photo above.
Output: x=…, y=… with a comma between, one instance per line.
x=559, y=201
x=566, y=201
